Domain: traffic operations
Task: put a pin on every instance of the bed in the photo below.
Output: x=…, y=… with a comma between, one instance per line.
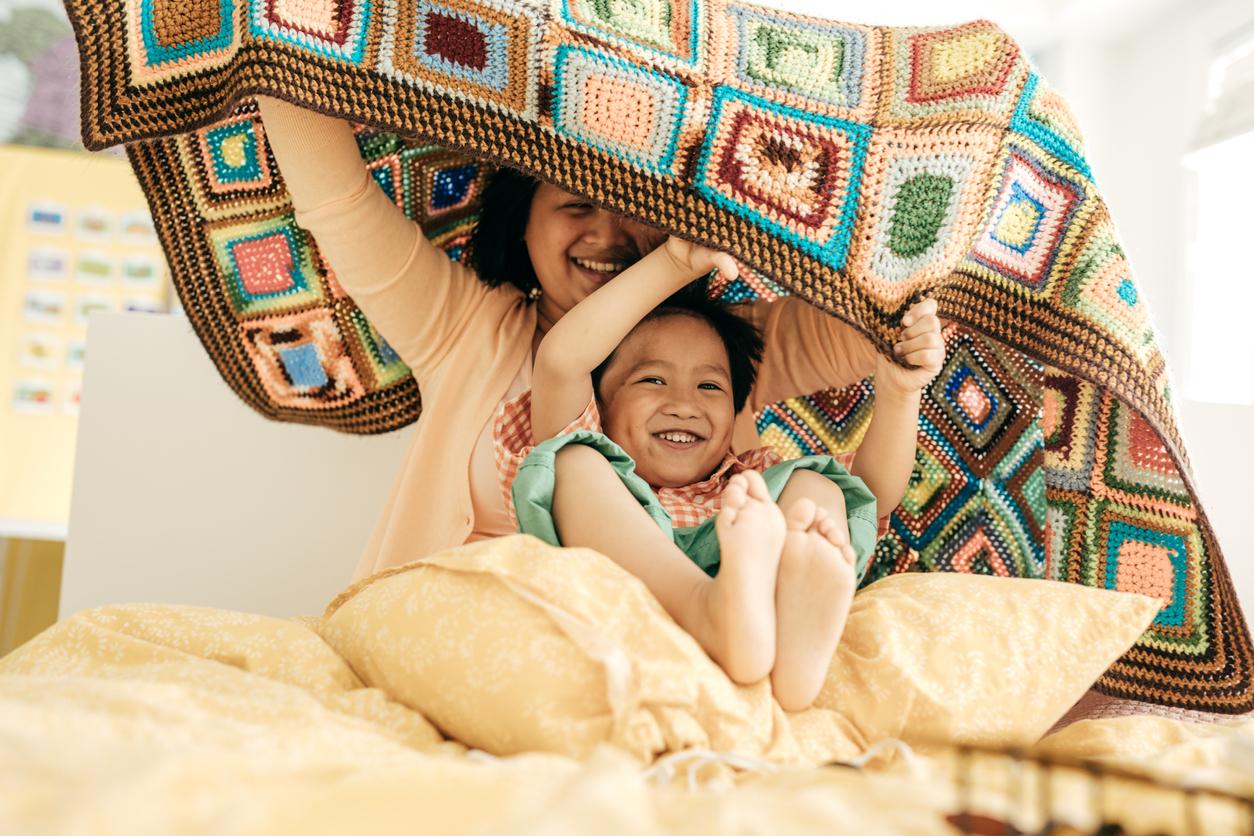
x=581, y=705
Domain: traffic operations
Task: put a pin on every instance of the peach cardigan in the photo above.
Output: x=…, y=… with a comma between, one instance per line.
x=466, y=342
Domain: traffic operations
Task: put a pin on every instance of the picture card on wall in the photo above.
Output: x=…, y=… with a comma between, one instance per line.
x=32, y=396
x=38, y=350
x=47, y=264
x=148, y=306
x=90, y=303
x=141, y=271
x=73, y=397
x=136, y=228
x=94, y=267
x=75, y=353
x=46, y=307
x=94, y=224
x=45, y=217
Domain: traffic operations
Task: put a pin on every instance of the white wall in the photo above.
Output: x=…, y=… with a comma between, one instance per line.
x=1138, y=92
x=184, y=495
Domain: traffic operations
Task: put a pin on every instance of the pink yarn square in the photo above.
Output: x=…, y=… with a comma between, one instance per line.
x=619, y=111
x=974, y=402
x=1145, y=568
x=265, y=264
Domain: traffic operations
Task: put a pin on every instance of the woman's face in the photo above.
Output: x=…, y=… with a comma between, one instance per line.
x=576, y=247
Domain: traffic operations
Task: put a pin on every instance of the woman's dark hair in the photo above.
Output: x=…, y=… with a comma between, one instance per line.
x=741, y=338
x=497, y=251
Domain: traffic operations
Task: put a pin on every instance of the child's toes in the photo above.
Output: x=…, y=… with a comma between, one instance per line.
x=756, y=485
x=801, y=514
x=826, y=526
x=735, y=495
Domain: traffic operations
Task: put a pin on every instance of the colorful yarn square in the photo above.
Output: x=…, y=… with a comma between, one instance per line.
x=631, y=113
x=385, y=364
x=234, y=157
x=265, y=266
x=484, y=52
x=792, y=173
x=971, y=71
x=330, y=28
x=974, y=400
x=669, y=29
x=229, y=169
x=825, y=422
x=301, y=359
x=1132, y=464
x=974, y=545
x=441, y=185
x=920, y=205
x=1101, y=288
x=1042, y=115
x=1028, y=221
x=1136, y=550
x=940, y=484
x=170, y=38
x=1069, y=408
x=804, y=63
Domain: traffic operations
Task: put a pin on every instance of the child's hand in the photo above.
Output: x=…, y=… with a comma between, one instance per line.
x=693, y=260
x=919, y=344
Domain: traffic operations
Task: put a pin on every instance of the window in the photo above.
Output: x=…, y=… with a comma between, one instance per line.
x=1220, y=258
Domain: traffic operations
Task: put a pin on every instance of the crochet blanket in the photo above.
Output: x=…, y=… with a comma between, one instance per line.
x=854, y=166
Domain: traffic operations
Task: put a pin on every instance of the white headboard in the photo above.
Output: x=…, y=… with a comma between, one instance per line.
x=182, y=494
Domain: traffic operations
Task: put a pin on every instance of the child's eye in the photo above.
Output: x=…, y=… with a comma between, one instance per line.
x=713, y=387
x=656, y=380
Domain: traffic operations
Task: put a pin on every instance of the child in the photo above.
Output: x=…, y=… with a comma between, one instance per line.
x=634, y=408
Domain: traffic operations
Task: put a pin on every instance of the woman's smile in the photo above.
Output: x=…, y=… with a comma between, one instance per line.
x=597, y=270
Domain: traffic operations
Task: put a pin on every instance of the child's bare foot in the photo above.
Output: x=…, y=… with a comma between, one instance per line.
x=750, y=530
x=816, y=584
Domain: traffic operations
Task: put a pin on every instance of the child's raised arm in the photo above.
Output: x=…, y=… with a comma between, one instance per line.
x=561, y=384
x=885, y=458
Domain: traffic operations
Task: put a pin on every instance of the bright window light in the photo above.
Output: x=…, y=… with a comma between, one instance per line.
x=1221, y=349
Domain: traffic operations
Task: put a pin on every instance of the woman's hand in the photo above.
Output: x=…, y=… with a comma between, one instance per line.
x=920, y=344
x=693, y=260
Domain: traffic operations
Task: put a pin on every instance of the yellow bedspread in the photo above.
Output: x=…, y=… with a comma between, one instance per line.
x=164, y=719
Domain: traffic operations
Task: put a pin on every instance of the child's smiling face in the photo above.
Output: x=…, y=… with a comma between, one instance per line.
x=666, y=398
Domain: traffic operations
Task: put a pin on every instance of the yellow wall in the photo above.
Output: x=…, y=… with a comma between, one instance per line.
x=106, y=222
x=30, y=589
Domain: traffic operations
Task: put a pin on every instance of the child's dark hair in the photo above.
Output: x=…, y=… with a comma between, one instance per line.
x=497, y=251
x=741, y=338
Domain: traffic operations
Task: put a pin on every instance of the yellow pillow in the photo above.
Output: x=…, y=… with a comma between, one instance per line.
x=944, y=657
x=510, y=645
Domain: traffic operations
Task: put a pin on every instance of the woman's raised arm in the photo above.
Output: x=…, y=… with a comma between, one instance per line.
x=412, y=292
x=806, y=351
